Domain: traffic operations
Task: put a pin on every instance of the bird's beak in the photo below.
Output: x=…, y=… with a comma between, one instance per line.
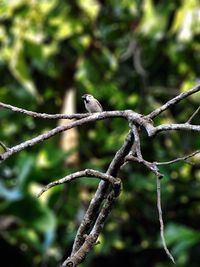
x=83, y=96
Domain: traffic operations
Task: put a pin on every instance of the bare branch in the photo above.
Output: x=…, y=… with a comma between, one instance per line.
x=40, y=138
x=161, y=221
x=137, y=149
x=43, y=115
x=59, y=129
x=94, y=117
x=95, y=203
x=178, y=159
x=78, y=257
x=88, y=172
x=108, y=189
x=172, y=127
x=173, y=101
x=91, y=239
x=104, y=114
x=127, y=114
x=137, y=142
x=111, y=198
x=193, y=115
x=150, y=165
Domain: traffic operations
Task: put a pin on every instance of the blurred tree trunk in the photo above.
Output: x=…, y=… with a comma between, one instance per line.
x=69, y=139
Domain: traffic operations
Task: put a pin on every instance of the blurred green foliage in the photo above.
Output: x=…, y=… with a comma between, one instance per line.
x=130, y=55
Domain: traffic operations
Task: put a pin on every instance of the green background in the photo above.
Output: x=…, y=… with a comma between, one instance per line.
x=130, y=55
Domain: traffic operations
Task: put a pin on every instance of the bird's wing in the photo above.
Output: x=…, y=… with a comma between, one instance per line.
x=99, y=105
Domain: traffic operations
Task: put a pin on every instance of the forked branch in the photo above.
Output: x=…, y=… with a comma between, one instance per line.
x=110, y=186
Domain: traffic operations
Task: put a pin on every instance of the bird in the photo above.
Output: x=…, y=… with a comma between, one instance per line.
x=92, y=104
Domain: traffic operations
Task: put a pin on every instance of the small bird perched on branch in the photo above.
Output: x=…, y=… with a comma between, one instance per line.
x=92, y=104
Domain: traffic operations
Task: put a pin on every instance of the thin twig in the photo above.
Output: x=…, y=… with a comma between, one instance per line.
x=129, y=51
x=88, y=172
x=178, y=159
x=173, y=101
x=161, y=221
x=193, y=115
x=150, y=165
x=137, y=59
x=155, y=170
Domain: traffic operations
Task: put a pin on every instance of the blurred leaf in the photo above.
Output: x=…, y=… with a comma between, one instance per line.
x=91, y=7
x=10, y=194
x=48, y=47
x=19, y=68
x=181, y=237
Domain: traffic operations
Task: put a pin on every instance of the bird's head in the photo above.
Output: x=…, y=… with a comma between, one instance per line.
x=87, y=98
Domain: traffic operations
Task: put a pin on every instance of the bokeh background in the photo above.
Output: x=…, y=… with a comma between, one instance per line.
x=130, y=55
